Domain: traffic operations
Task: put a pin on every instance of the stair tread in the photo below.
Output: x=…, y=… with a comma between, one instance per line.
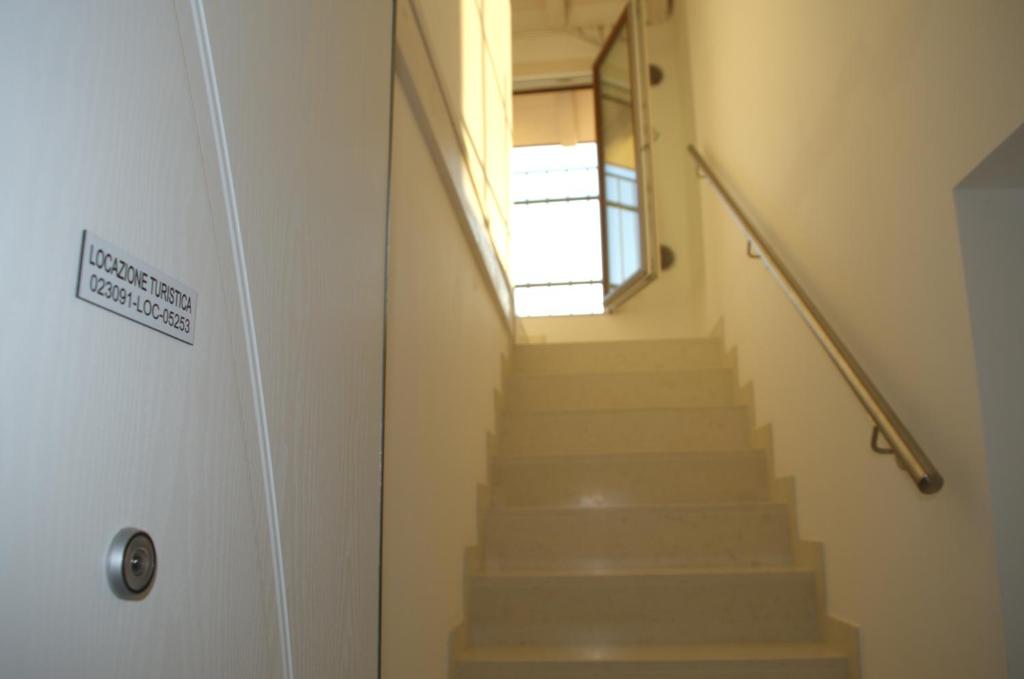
x=622, y=373
x=625, y=411
x=652, y=573
x=618, y=356
x=638, y=508
x=620, y=342
x=634, y=478
x=583, y=458
x=653, y=653
x=617, y=430
x=626, y=390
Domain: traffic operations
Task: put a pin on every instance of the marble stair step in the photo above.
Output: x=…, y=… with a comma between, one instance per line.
x=616, y=431
x=625, y=356
x=672, y=536
x=629, y=478
x=690, y=606
x=697, y=661
x=628, y=390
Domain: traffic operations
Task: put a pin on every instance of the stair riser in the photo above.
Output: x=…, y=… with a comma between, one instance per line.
x=630, y=479
x=628, y=390
x=644, y=609
x=562, y=359
x=829, y=668
x=637, y=538
x=627, y=431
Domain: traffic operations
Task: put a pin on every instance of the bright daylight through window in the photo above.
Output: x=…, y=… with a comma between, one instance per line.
x=556, y=231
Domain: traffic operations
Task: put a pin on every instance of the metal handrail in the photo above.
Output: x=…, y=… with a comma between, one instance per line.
x=908, y=453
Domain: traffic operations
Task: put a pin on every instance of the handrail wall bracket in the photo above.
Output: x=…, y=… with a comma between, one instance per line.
x=875, y=446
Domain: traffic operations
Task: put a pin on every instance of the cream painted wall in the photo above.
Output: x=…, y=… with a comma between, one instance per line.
x=472, y=43
x=672, y=305
x=445, y=341
x=846, y=127
x=446, y=337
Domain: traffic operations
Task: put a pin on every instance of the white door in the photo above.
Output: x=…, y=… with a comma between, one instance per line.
x=104, y=422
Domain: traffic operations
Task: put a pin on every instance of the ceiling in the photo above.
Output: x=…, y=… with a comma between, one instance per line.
x=534, y=15
x=555, y=42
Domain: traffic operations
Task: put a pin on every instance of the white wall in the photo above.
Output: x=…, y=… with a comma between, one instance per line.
x=672, y=305
x=990, y=205
x=305, y=94
x=447, y=331
x=845, y=127
x=446, y=338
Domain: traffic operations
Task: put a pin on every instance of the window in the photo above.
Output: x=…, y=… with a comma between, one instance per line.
x=556, y=231
x=622, y=210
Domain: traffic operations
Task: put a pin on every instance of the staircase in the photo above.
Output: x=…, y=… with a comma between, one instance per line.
x=632, y=528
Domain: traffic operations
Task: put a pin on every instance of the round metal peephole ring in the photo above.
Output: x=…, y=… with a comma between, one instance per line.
x=131, y=563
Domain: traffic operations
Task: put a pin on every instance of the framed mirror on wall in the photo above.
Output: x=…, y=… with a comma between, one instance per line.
x=629, y=238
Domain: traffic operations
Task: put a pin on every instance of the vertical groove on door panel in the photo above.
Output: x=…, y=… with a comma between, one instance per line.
x=303, y=91
x=259, y=403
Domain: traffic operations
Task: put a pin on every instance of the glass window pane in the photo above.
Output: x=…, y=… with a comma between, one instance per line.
x=556, y=230
x=560, y=300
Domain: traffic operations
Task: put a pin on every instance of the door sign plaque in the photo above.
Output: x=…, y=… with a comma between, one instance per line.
x=111, y=278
